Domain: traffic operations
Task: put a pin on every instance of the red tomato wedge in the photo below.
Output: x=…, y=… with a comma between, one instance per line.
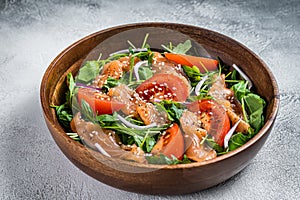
x=164, y=86
x=171, y=143
x=100, y=103
x=209, y=64
x=216, y=121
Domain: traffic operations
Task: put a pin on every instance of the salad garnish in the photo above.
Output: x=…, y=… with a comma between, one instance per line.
x=160, y=107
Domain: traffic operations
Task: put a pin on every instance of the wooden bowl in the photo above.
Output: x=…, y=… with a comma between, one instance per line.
x=155, y=179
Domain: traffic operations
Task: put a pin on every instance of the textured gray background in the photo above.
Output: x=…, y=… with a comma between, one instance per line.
x=32, y=33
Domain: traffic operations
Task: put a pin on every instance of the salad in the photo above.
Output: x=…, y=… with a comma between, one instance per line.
x=160, y=107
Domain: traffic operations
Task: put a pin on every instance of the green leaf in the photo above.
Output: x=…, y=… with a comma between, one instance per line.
x=182, y=48
x=237, y=140
x=150, y=58
x=150, y=142
x=138, y=140
x=162, y=159
x=215, y=146
x=64, y=115
x=88, y=71
x=145, y=73
x=193, y=74
x=106, y=120
x=126, y=139
x=161, y=108
x=110, y=83
x=240, y=90
x=71, y=86
x=173, y=109
x=234, y=75
x=255, y=107
x=87, y=111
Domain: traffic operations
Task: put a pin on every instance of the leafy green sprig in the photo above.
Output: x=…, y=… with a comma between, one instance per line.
x=162, y=159
x=64, y=111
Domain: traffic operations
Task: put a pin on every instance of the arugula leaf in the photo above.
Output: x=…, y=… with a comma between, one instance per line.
x=234, y=75
x=215, y=146
x=173, y=109
x=145, y=73
x=110, y=83
x=162, y=159
x=64, y=114
x=88, y=71
x=107, y=120
x=193, y=74
x=87, y=111
x=138, y=140
x=255, y=106
x=240, y=90
x=237, y=140
x=150, y=143
x=64, y=111
x=71, y=86
x=146, y=143
x=150, y=57
x=182, y=48
x=126, y=139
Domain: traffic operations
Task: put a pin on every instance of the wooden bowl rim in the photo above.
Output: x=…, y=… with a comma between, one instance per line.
x=261, y=133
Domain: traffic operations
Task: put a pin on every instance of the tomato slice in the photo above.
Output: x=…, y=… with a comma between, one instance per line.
x=99, y=102
x=216, y=120
x=171, y=143
x=164, y=87
x=209, y=64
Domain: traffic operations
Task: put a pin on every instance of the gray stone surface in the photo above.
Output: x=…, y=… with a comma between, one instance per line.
x=32, y=33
